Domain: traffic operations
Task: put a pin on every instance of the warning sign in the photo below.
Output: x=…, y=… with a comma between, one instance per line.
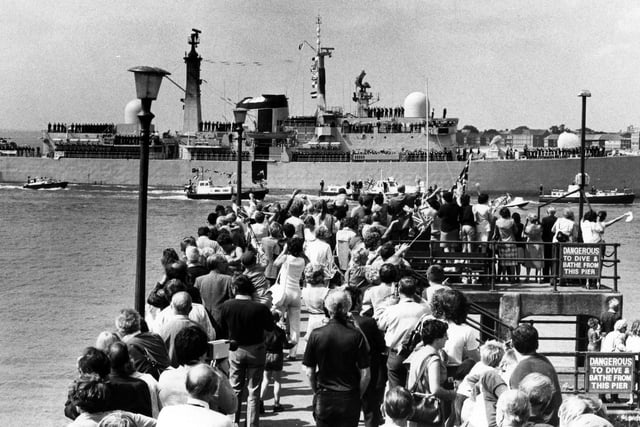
x=610, y=372
x=580, y=261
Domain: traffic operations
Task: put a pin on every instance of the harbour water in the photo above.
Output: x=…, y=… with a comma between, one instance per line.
x=68, y=259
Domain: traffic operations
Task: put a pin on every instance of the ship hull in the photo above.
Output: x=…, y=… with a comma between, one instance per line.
x=517, y=177
x=609, y=199
x=48, y=185
x=257, y=194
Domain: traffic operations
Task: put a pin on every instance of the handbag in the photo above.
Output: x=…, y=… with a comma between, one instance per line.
x=278, y=290
x=427, y=408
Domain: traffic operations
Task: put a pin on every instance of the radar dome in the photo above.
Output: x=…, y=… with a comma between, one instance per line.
x=131, y=112
x=568, y=140
x=415, y=105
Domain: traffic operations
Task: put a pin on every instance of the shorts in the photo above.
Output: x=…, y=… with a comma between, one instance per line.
x=274, y=362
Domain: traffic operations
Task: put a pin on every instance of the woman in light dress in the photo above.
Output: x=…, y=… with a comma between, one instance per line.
x=483, y=214
x=291, y=263
x=314, y=294
x=533, y=251
x=507, y=250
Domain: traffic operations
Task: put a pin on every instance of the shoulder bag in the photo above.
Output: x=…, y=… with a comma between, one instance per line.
x=279, y=290
x=427, y=408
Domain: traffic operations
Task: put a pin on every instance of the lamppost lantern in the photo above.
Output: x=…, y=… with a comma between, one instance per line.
x=584, y=93
x=148, y=80
x=239, y=115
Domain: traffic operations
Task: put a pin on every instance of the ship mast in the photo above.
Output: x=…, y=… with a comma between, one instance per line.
x=318, y=75
x=426, y=180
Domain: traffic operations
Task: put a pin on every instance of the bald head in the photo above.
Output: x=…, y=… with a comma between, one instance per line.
x=202, y=382
x=181, y=303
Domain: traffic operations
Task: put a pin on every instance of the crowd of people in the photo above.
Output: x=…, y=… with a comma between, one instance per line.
x=82, y=127
x=210, y=126
x=562, y=153
x=377, y=334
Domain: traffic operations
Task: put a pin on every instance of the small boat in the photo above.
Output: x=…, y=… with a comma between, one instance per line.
x=199, y=188
x=593, y=195
x=44, y=183
x=389, y=187
x=351, y=189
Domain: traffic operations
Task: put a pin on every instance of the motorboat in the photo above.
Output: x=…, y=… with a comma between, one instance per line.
x=44, y=183
x=571, y=195
x=593, y=195
x=200, y=187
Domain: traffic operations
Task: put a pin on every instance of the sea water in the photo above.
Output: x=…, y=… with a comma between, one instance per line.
x=68, y=261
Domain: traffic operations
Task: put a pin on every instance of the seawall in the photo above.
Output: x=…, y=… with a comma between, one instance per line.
x=515, y=176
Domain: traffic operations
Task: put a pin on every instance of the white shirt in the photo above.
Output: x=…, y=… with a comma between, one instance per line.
x=298, y=224
x=319, y=252
x=591, y=231
x=198, y=314
x=195, y=413
x=342, y=246
x=483, y=215
x=397, y=320
x=461, y=337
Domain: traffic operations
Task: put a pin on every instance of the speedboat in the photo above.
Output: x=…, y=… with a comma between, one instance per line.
x=44, y=182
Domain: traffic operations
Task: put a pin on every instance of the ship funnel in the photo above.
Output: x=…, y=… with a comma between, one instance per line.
x=131, y=111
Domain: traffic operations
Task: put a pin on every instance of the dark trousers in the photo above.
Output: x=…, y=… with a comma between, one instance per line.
x=371, y=404
x=336, y=408
x=396, y=370
x=547, y=265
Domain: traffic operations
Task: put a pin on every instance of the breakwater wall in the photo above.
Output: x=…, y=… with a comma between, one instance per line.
x=515, y=176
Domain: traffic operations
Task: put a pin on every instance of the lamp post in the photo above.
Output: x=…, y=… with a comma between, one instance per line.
x=584, y=94
x=148, y=81
x=239, y=115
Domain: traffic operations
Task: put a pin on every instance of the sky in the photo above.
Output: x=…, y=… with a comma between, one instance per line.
x=492, y=63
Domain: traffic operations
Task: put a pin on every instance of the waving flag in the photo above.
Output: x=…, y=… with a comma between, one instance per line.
x=460, y=186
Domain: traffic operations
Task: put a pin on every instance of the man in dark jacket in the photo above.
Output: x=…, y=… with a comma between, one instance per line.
x=373, y=396
x=147, y=350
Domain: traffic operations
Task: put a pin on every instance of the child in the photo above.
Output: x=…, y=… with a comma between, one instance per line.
x=508, y=364
x=594, y=334
x=275, y=341
x=491, y=353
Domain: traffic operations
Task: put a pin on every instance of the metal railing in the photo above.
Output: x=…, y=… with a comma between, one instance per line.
x=486, y=262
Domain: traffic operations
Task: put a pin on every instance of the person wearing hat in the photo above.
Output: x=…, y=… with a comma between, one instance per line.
x=533, y=250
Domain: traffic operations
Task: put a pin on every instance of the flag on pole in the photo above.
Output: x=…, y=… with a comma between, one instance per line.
x=460, y=186
x=420, y=220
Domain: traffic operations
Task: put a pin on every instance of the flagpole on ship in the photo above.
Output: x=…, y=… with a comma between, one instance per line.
x=426, y=180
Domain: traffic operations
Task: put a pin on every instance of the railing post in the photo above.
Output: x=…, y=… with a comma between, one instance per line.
x=615, y=267
x=493, y=265
x=556, y=265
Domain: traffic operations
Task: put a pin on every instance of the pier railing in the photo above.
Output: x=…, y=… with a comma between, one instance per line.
x=496, y=263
